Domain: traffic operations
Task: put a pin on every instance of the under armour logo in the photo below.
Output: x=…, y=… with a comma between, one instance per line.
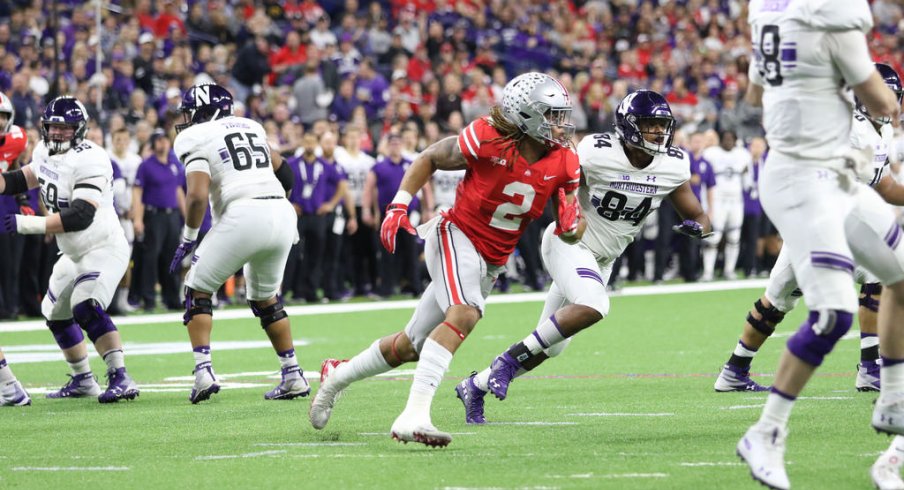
x=651, y=178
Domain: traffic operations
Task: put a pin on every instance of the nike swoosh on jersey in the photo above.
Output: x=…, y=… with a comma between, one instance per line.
x=548, y=177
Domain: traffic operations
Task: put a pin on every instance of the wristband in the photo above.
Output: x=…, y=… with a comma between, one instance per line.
x=189, y=233
x=31, y=225
x=402, y=197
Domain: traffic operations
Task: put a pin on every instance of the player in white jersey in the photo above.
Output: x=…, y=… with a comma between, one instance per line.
x=12, y=394
x=227, y=158
x=804, y=52
x=782, y=293
x=625, y=176
x=75, y=177
x=730, y=163
x=444, y=185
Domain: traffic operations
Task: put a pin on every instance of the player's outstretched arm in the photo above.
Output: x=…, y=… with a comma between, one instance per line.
x=18, y=181
x=689, y=208
x=442, y=155
x=198, y=184
x=890, y=190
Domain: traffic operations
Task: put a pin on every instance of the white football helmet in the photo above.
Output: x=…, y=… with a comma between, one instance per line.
x=6, y=107
x=536, y=103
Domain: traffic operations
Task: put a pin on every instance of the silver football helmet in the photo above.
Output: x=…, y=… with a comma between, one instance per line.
x=6, y=107
x=536, y=103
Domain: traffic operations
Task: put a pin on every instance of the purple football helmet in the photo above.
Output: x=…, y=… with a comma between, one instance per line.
x=637, y=110
x=891, y=78
x=65, y=110
x=204, y=102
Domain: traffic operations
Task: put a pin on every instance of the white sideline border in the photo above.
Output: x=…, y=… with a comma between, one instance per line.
x=305, y=310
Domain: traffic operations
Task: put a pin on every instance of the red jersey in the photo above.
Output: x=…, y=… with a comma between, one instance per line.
x=11, y=146
x=497, y=199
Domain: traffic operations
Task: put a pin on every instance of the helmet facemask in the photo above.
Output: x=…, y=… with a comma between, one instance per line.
x=557, y=128
x=654, y=134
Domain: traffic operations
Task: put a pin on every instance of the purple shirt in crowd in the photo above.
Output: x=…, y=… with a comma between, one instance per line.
x=159, y=181
x=315, y=183
x=703, y=170
x=752, y=204
x=389, y=177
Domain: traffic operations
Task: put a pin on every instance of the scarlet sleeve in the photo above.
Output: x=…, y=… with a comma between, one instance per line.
x=572, y=178
x=471, y=138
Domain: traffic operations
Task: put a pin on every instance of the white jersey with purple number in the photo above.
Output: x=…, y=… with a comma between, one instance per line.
x=82, y=172
x=235, y=153
x=729, y=168
x=805, y=51
x=356, y=169
x=445, y=182
x=616, y=197
x=865, y=135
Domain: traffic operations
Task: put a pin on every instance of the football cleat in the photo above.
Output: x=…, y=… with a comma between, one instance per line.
x=327, y=394
x=888, y=414
x=121, y=386
x=80, y=385
x=763, y=449
x=407, y=428
x=868, y=376
x=14, y=395
x=886, y=471
x=205, y=383
x=733, y=379
x=472, y=398
x=293, y=385
x=502, y=372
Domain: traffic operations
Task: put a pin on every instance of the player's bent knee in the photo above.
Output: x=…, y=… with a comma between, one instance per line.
x=67, y=333
x=464, y=317
x=869, y=298
x=818, y=335
x=196, y=303
x=92, y=317
x=769, y=317
x=269, y=314
x=596, y=304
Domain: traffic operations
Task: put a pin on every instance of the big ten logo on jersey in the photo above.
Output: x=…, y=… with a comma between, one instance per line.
x=244, y=151
x=773, y=58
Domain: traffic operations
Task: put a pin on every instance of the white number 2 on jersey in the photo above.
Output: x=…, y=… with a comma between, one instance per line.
x=508, y=215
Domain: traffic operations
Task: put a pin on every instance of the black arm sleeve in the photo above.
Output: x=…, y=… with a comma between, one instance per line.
x=22, y=200
x=285, y=176
x=77, y=216
x=15, y=182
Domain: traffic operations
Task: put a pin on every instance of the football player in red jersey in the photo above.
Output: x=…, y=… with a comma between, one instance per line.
x=515, y=159
x=12, y=143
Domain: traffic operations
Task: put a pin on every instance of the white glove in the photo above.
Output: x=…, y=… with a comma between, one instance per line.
x=860, y=162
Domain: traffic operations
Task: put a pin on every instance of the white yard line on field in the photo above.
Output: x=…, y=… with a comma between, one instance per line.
x=620, y=414
x=238, y=456
x=71, y=468
x=176, y=318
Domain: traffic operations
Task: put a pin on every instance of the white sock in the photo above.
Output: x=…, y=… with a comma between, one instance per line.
x=742, y=351
x=892, y=378
x=287, y=359
x=709, y=260
x=367, y=363
x=482, y=379
x=115, y=359
x=546, y=333
x=432, y=366
x=80, y=367
x=6, y=374
x=201, y=355
x=777, y=410
x=867, y=342
x=731, y=257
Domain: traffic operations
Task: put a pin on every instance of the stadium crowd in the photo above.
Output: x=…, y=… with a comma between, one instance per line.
x=351, y=91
